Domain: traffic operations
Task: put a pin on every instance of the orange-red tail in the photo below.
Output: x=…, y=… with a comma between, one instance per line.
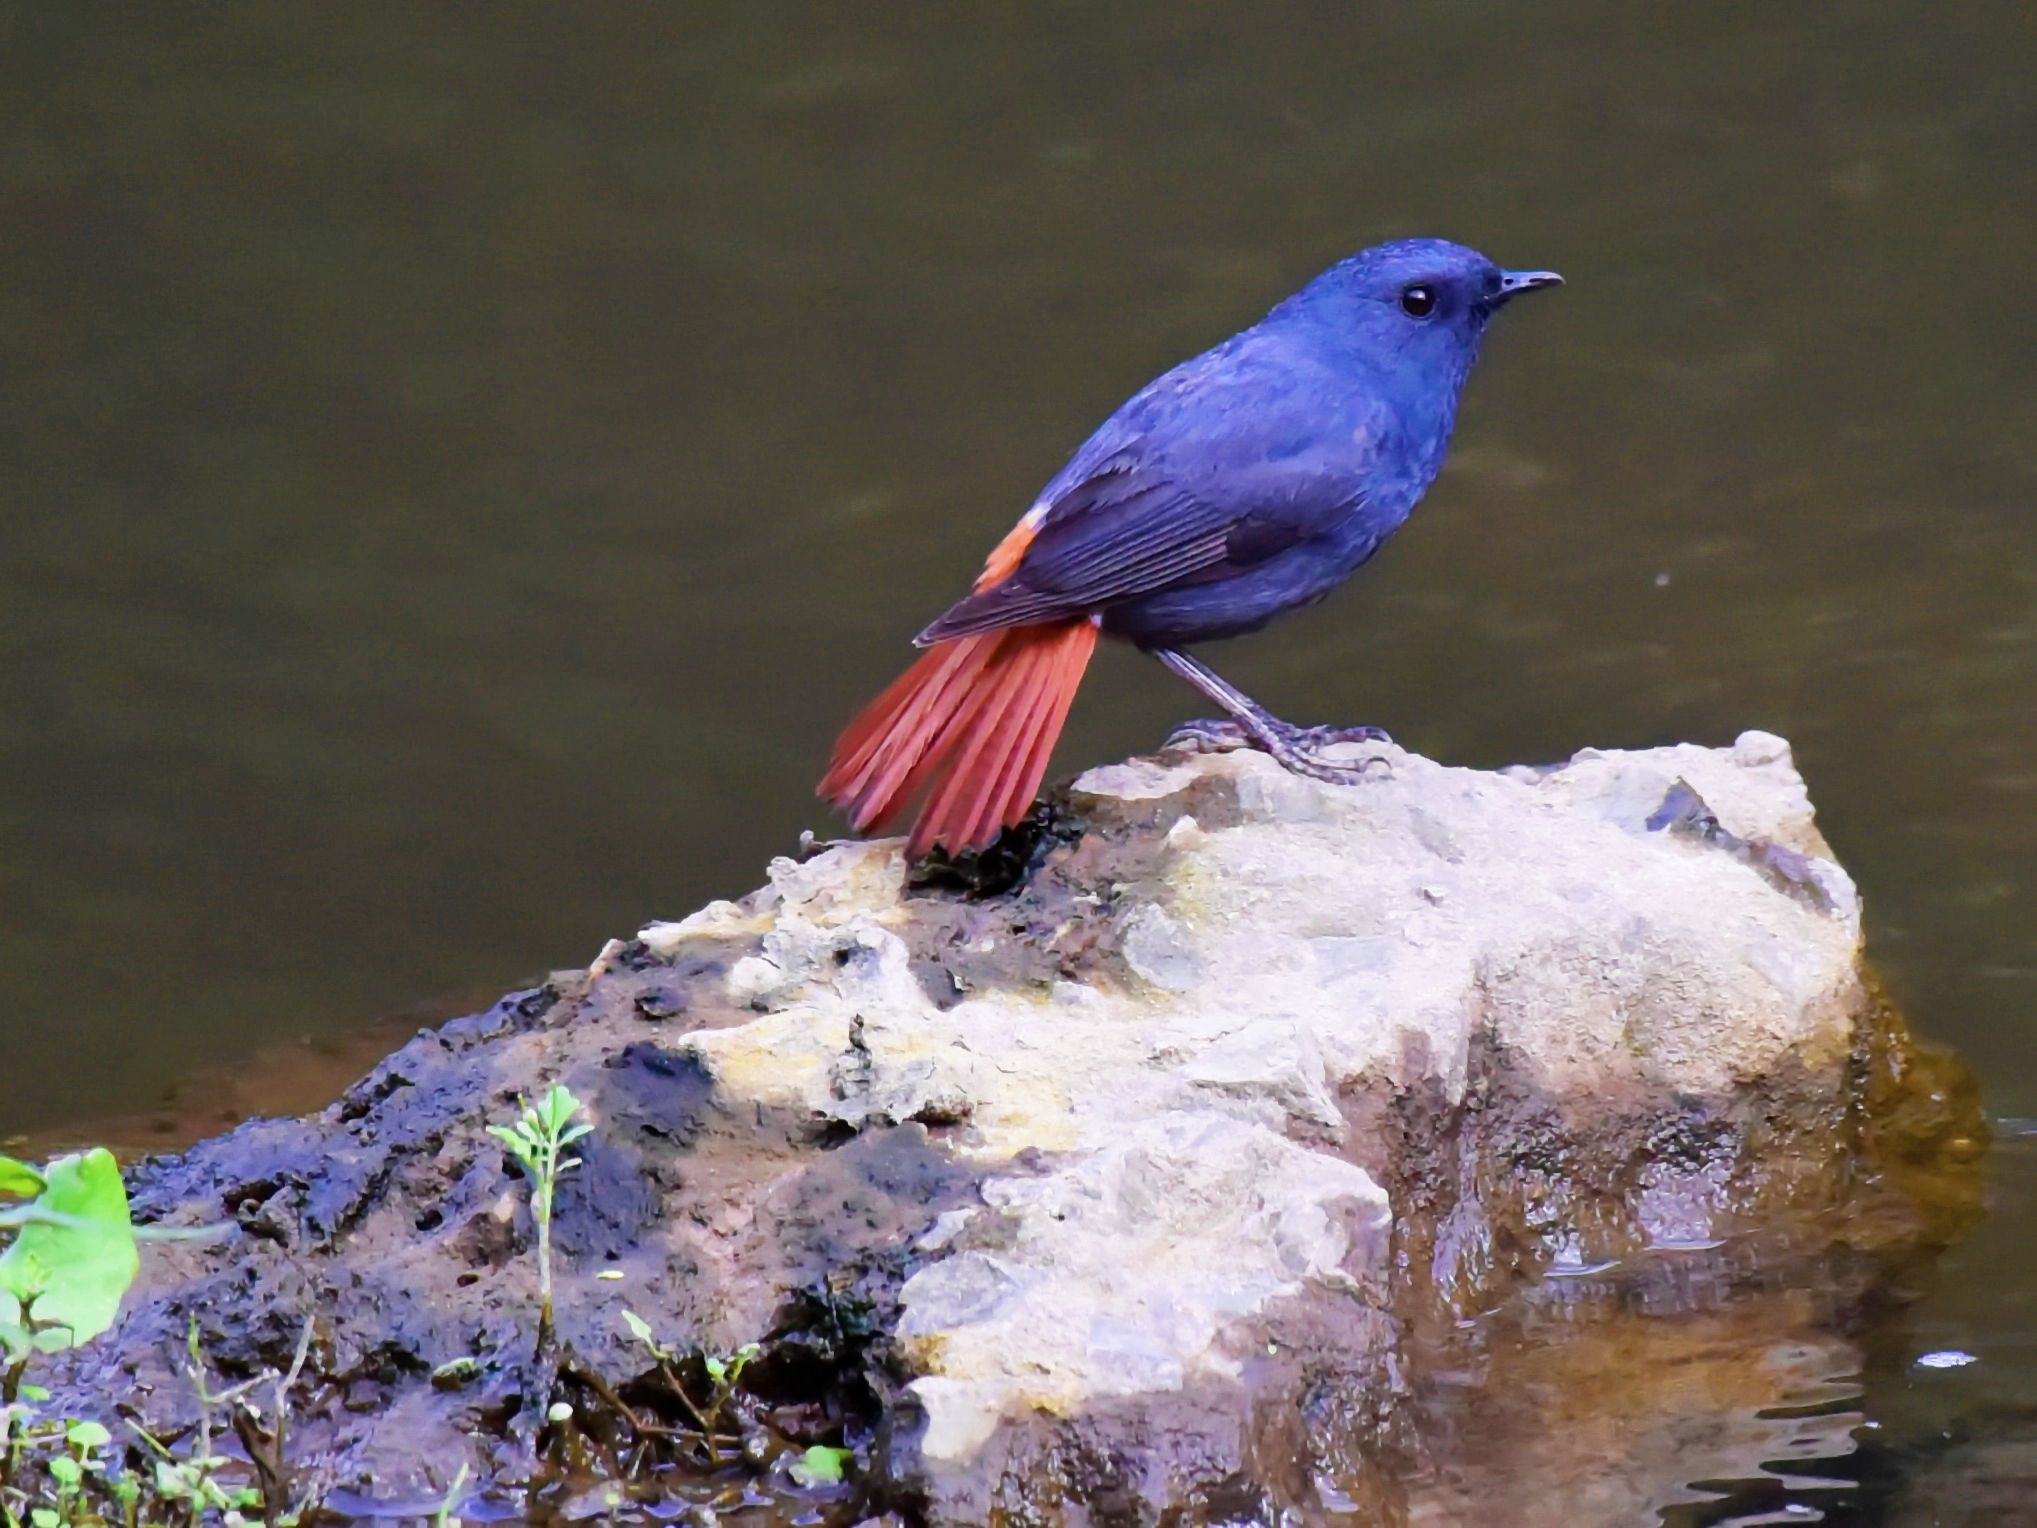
x=979, y=715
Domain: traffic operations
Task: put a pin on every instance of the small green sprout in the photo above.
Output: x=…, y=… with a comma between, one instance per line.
x=724, y=1373
x=67, y=1257
x=821, y=1466
x=640, y=1329
x=727, y=1372
x=194, y=1482
x=449, y=1503
x=537, y=1138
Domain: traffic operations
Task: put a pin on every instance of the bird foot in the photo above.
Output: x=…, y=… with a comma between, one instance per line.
x=1296, y=749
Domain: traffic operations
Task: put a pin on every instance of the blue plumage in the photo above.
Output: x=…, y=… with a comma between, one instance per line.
x=1261, y=474
x=1243, y=483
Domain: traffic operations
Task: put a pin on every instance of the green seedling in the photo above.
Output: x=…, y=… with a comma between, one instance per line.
x=821, y=1466
x=537, y=1138
x=76, y=1475
x=196, y=1484
x=71, y=1257
x=444, y=1518
x=726, y=1370
x=264, y=1438
x=640, y=1329
x=200, y=1480
x=724, y=1373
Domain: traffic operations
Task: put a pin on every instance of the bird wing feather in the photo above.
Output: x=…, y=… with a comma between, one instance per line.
x=1181, y=486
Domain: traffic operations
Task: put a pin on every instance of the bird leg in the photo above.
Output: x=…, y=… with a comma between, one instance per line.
x=1251, y=725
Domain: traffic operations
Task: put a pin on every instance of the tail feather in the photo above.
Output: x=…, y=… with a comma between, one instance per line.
x=875, y=737
x=1062, y=684
x=959, y=800
x=1016, y=771
x=1006, y=787
x=990, y=780
x=906, y=744
x=976, y=718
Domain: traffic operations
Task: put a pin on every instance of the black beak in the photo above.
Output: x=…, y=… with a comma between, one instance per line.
x=1513, y=283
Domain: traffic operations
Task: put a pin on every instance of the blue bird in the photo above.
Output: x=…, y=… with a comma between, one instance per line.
x=1246, y=482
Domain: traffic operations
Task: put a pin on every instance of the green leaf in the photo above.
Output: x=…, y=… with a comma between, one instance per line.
x=87, y=1435
x=19, y=1179
x=716, y=1369
x=820, y=1466
x=746, y=1354
x=558, y=1107
x=65, y=1470
x=72, y=1273
x=519, y=1147
x=44, y=1517
x=640, y=1329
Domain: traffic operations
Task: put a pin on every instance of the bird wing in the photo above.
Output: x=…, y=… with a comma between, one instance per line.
x=1117, y=540
x=1213, y=468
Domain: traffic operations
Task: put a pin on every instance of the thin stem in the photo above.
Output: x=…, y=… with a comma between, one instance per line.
x=616, y=1403
x=707, y=1434
x=10, y=1392
x=541, y=1211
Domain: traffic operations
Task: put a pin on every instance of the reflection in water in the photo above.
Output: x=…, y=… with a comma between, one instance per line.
x=1741, y=1386
x=1620, y=1415
x=463, y=466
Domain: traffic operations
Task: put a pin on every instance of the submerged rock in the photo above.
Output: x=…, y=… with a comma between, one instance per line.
x=1164, y=1181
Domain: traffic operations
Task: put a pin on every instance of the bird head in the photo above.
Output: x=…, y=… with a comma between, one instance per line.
x=1418, y=303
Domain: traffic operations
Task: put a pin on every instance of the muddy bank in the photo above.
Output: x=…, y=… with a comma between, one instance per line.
x=1192, y=1161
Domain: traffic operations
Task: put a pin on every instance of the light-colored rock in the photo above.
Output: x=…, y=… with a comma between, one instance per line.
x=1290, y=946
x=1324, y=935
x=1119, y=1273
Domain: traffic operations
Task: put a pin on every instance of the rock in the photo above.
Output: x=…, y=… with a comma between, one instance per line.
x=1163, y=1182
x=1099, y=1279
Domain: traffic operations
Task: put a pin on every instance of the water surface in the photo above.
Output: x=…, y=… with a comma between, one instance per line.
x=462, y=465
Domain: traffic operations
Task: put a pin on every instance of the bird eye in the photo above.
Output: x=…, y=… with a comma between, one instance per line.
x=1418, y=300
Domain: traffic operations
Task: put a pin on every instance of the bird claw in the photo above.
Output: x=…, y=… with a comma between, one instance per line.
x=1296, y=749
x=1206, y=736
x=1327, y=737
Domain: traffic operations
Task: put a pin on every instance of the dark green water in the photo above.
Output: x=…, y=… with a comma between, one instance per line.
x=462, y=464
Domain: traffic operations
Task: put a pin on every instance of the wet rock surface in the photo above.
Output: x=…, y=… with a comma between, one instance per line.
x=1240, y=1145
